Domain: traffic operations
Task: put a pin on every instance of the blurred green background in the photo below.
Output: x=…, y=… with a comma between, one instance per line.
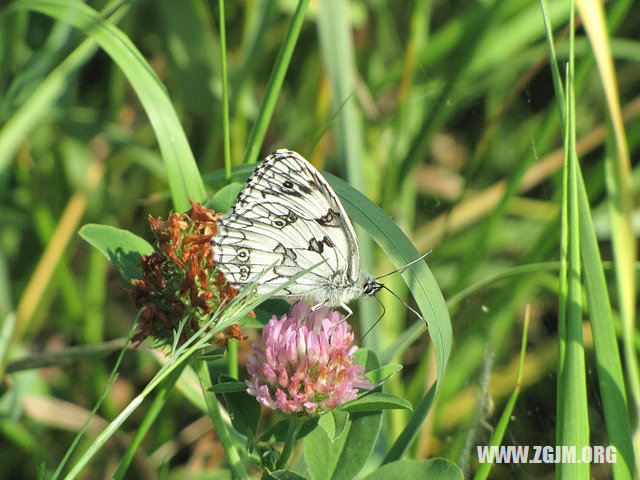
x=446, y=118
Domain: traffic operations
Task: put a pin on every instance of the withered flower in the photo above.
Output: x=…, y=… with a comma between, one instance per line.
x=179, y=280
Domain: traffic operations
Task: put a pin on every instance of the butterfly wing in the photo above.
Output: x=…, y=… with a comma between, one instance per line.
x=288, y=216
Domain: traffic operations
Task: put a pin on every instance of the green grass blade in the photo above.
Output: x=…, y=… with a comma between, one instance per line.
x=275, y=84
x=234, y=312
x=409, y=433
x=399, y=248
x=608, y=364
x=225, y=92
x=215, y=413
x=423, y=288
x=609, y=367
x=184, y=178
x=574, y=426
x=233, y=344
x=107, y=388
x=555, y=71
x=498, y=434
x=152, y=413
x=38, y=106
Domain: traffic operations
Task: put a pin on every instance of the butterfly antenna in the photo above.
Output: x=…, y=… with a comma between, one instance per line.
x=404, y=267
x=384, y=310
x=405, y=304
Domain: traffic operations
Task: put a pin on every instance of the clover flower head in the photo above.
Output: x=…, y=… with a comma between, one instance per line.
x=179, y=279
x=305, y=362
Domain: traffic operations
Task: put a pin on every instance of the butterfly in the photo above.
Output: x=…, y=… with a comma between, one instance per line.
x=288, y=219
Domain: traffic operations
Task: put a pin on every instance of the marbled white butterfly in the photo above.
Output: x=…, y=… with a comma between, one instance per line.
x=288, y=219
x=289, y=216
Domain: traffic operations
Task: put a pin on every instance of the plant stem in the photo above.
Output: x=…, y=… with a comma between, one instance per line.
x=233, y=456
x=292, y=435
x=274, y=85
x=225, y=93
x=232, y=353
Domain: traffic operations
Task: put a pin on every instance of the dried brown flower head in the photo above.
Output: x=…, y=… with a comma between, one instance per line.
x=179, y=280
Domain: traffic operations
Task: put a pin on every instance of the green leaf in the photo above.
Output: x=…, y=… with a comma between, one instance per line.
x=229, y=387
x=382, y=374
x=433, y=469
x=224, y=198
x=376, y=401
x=278, y=432
x=285, y=475
x=121, y=247
x=243, y=408
x=367, y=358
x=344, y=457
x=334, y=423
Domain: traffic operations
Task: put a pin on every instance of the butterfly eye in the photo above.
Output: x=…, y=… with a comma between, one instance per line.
x=279, y=223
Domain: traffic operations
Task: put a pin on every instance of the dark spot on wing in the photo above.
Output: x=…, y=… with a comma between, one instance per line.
x=318, y=245
x=306, y=190
x=244, y=273
x=315, y=246
x=282, y=221
x=329, y=219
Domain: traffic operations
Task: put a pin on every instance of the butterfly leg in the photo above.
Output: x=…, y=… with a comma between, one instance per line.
x=311, y=310
x=349, y=313
x=346, y=309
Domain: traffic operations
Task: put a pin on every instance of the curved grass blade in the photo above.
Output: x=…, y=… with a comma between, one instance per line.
x=183, y=174
x=423, y=286
x=38, y=106
x=399, y=248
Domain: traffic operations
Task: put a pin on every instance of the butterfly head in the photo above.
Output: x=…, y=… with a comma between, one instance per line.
x=371, y=286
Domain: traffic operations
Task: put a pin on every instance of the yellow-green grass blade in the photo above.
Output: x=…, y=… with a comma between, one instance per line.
x=618, y=173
